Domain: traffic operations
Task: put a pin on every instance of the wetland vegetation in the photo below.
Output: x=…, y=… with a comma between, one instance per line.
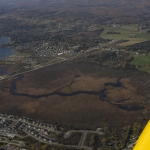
x=80, y=65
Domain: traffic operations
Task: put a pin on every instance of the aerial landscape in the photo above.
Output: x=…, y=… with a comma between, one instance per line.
x=74, y=74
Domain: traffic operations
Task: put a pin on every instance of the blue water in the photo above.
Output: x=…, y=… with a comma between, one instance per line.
x=3, y=40
x=5, y=52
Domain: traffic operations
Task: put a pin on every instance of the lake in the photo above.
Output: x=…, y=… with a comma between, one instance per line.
x=5, y=52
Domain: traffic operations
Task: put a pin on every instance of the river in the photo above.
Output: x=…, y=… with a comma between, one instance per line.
x=5, y=52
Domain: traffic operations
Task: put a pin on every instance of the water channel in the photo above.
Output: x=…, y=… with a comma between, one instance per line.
x=100, y=93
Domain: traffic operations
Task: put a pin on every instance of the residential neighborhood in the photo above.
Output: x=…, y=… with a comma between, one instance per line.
x=13, y=128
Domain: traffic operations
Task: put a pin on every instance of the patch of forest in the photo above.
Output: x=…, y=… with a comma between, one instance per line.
x=143, y=46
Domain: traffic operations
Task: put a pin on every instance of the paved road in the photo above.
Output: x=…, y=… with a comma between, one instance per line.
x=67, y=134
x=54, y=143
x=16, y=121
x=79, y=146
x=83, y=137
x=48, y=64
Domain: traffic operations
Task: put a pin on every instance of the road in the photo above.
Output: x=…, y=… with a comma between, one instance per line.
x=66, y=135
x=47, y=65
x=16, y=121
x=83, y=137
x=79, y=146
x=52, y=143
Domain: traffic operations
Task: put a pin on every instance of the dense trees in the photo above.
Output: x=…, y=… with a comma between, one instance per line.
x=144, y=47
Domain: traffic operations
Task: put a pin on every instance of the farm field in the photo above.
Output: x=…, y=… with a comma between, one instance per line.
x=131, y=42
x=125, y=32
x=142, y=62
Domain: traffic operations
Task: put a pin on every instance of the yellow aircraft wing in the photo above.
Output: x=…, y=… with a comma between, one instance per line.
x=143, y=142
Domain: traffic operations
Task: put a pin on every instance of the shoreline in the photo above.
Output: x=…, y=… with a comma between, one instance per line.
x=7, y=50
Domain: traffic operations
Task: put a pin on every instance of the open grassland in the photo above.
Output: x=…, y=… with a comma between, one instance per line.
x=79, y=104
x=130, y=27
x=131, y=42
x=142, y=62
x=125, y=32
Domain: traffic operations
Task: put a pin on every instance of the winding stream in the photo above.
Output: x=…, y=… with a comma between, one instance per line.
x=57, y=92
x=101, y=93
x=117, y=84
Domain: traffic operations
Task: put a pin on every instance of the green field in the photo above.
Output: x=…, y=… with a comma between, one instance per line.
x=15, y=142
x=143, y=62
x=126, y=32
